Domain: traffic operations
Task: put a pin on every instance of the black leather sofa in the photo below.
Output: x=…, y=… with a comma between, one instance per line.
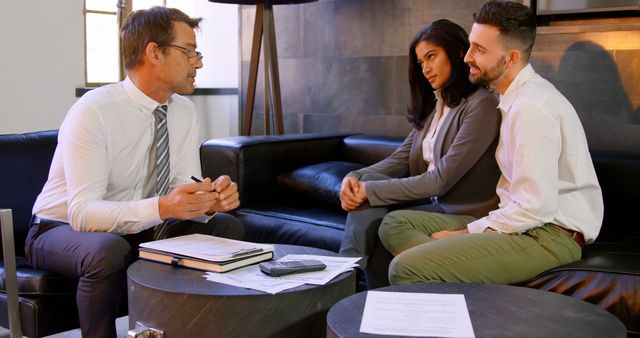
x=287, y=187
x=46, y=300
x=288, y=184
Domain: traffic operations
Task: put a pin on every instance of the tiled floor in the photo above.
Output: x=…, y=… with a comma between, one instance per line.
x=122, y=326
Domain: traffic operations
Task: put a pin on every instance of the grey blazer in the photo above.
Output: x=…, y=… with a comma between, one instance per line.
x=466, y=173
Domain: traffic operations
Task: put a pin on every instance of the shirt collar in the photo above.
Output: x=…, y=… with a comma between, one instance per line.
x=509, y=96
x=438, y=94
x=146, y=104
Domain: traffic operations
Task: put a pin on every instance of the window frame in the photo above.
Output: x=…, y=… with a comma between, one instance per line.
x=86, y=11
x=122, y=10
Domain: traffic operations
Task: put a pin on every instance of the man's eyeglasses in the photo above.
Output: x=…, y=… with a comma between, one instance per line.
x=192, y=54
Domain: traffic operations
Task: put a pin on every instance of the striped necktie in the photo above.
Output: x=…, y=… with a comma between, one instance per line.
x=162, y=164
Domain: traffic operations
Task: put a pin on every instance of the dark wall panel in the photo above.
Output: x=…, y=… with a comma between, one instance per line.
x=343, y=65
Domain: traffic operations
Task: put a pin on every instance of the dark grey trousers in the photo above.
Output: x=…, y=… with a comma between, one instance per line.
x=361, y=235
x=100, y=260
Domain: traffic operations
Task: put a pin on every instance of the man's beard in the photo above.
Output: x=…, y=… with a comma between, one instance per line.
x=485, y=78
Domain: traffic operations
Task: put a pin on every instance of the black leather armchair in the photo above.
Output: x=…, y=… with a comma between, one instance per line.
x=43, y=302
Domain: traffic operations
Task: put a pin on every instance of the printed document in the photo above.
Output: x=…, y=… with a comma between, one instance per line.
x=335, y=266
x=416, y=314
x=251, y=277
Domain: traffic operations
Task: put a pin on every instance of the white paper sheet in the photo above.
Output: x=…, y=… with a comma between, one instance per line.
x=251, y=277
x=335, y=266
x=416, y=314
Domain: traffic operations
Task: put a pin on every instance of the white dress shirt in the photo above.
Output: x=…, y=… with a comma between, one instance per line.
x=97, y=175
x=547, y=172
x=434, y=128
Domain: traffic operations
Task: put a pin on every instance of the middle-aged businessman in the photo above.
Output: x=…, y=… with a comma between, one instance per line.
x=121, y=172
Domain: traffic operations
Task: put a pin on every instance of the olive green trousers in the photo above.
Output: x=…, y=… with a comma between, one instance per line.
x=489, y=257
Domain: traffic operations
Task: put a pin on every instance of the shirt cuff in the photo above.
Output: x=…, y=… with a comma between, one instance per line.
x=478, y=226
x=149, y=213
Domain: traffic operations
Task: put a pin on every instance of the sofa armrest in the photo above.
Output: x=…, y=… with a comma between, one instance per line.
x=369, y=149
x=255, y=161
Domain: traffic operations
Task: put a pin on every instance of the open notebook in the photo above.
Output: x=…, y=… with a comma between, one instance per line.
x=206, y=252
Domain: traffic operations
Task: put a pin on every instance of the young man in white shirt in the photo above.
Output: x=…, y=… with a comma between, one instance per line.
x=121, y=172
x=550, y=200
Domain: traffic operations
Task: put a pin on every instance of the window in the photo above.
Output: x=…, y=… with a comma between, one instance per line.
x=102, y=40
x=102, y=56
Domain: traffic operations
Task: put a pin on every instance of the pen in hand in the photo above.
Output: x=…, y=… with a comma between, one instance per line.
x=199, y=180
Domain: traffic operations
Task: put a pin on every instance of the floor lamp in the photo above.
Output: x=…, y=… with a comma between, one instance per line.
x=264, y=33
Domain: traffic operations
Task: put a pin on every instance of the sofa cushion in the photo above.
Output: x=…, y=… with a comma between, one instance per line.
x=320, y=181
x=318, y=228
x=39, y=282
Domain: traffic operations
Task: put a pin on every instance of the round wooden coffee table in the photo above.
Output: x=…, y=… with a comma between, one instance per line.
x=182, y=303
x=496, y=311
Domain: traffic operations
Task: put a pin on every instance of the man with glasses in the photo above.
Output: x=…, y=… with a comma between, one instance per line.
x=121, y=172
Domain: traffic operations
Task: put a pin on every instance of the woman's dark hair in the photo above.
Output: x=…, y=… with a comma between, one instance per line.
x=455, y=42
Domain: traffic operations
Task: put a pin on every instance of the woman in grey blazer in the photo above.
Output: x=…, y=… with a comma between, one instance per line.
x=447, y=162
